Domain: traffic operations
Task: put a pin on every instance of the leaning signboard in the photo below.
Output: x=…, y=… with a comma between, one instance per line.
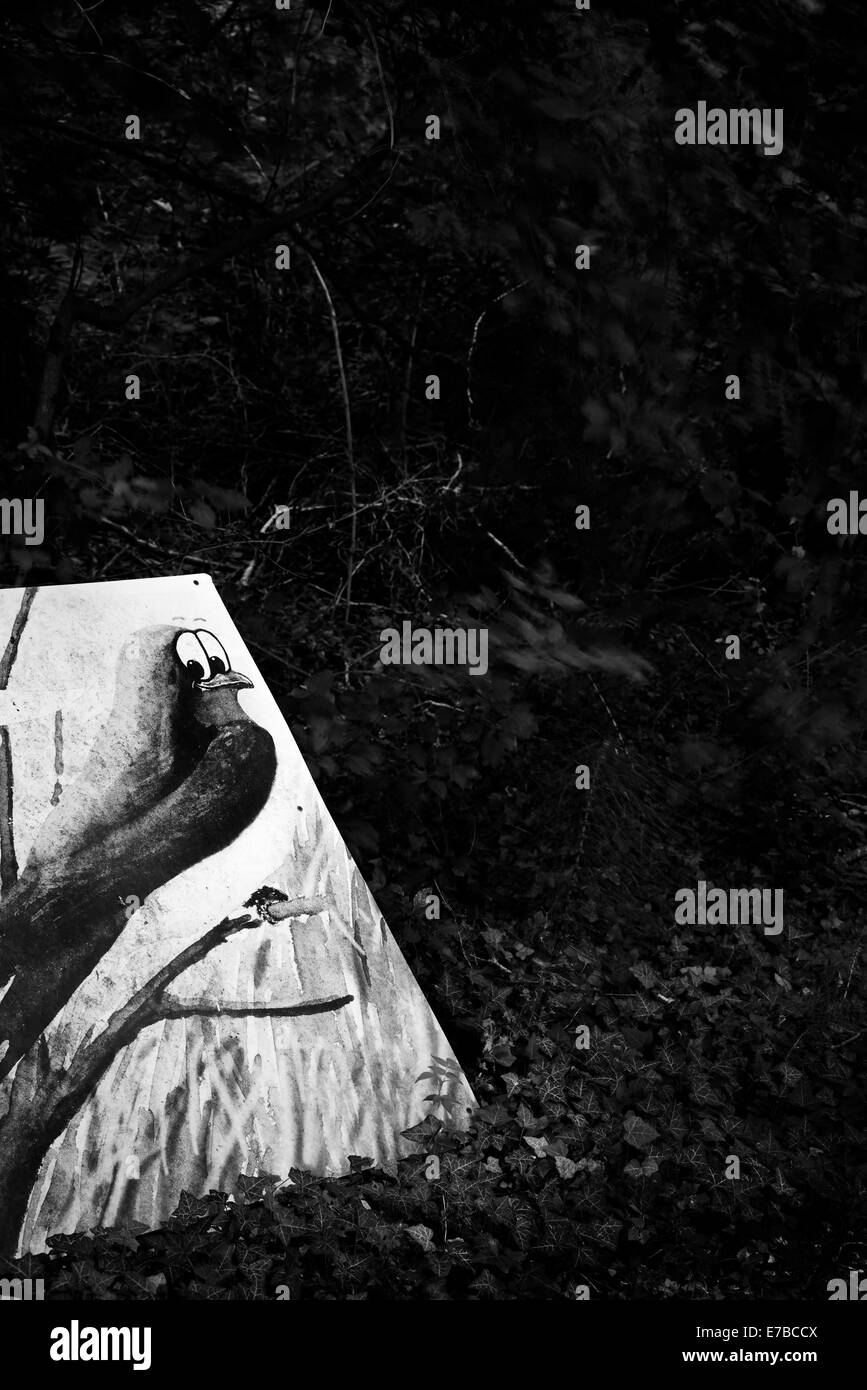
x=195, y=981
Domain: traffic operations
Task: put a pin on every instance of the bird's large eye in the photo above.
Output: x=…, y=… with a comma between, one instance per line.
x=214, y=650
x=192, y=656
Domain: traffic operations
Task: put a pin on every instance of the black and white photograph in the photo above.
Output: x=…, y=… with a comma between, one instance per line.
x=433, y=672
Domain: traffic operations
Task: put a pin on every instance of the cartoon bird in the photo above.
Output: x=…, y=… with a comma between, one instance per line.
x=177, y=772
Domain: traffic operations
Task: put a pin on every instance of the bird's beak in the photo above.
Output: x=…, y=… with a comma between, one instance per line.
x=225, y=680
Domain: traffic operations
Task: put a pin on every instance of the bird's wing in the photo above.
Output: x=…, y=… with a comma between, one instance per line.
x=65, y=925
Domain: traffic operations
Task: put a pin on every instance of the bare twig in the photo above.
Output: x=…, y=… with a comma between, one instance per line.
x=607, y=707
x=512, y=556
x=350, y=452
x=275, y=656
x=719, y=675
x=8, y=861
x=404, y=402
x=149, y=545
x=381, y=81
x=293, y=907
x=276, y=911
x=373, y=197
x=162, y=166
x=87, y=19
x=42, y=1100
x=476, y=326
x=457, y=473
x=140, y=72
x=851, y=969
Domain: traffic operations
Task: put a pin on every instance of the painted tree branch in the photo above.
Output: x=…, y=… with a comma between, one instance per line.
x=407, y=378
x=145, y=1007
x=8, y=861
x=42, y=1101
x=273, y=910
x=293, y=907
x=178, y=1008
x=7, y=661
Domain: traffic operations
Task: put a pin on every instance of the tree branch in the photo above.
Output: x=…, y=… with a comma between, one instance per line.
x=8, y=659
x=274, y=910
x=407, y=379
x=162, y=550
x=42, y=1101
x=166, y=166
x=60, y=1094
x=145, y=1007
x=350, y=452
x=293, y=907
x=8, y=861
x=59, y=337
x=345, y=293
x=117, y=315
x=178, y=1008
x=372, y=37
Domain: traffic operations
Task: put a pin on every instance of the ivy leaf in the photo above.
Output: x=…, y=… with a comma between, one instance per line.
x=422, y=1235
x=637, y=1132
x=425, y=1131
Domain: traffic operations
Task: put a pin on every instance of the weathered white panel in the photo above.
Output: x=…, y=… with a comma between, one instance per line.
x=126, y=781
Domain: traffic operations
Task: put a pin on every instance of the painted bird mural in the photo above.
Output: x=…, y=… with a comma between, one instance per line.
x=176, y=773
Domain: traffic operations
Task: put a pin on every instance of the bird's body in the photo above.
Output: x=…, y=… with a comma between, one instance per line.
x=177, y=772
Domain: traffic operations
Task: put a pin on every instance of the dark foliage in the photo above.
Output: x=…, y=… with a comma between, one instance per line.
x=559, y=387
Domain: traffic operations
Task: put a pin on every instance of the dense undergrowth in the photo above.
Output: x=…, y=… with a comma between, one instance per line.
x=601, y=1166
